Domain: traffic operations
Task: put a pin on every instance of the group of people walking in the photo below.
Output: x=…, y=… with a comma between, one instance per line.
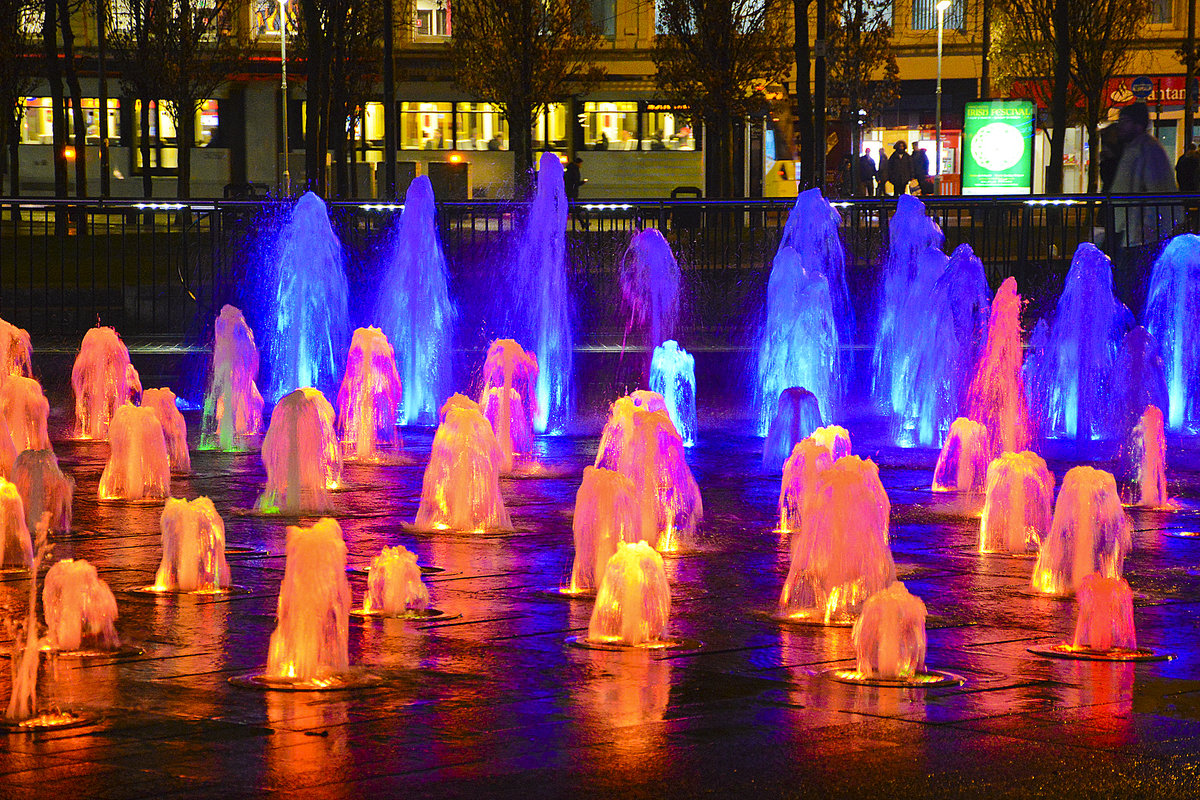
x=900, y=173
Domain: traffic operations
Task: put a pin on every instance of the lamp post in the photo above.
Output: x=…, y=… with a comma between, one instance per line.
x=937, y=164
x=287, y=175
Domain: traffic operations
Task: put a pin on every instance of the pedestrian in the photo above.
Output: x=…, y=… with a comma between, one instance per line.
x=572, y=181
x=1110, y=156
x=1187, y=169
x=900, y=170
x=866, y=174
x=920, y=162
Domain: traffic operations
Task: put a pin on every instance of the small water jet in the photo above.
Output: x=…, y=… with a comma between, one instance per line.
x=461, y=486
x=394, y=586
x=840, y=555
x=1090, y=533
x=509, y=399
x=301, y=455
x=996, y=397
x=797, y=415
x=162, y=403
x=673, y=376
x=833, y=438
x=1172, y=307
x=232, y=405
x=800, y=471
x=607, y=513
x=650, y=278
x=633, y=603
x=309, y=309
x=193, y=548
x=414, y=308
x=368, y=401
x=138, y=467
x=1017, y=507
x=16, y=352
x=813, y=231
x=1150, y=454
x=103, y=381
x=1104, y=629
x=44, y=489
x=17, y=548
x=26, y=411
x=963, y=462
x=80, y=609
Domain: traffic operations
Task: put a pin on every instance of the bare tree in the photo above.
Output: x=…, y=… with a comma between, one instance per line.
x=18, y=66
x=717, y=57
x=523, y=55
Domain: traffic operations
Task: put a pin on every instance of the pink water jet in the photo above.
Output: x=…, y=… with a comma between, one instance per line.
x=833, y=438
x=800, y=471
x=16, y=352
x=797, y=415
x=301, y=455
x=509, y=398
x=963, y=462
x=1018, y=504
x=80, y=609
x=103, y=381
x=26, y=411
x=996, y=398
x=193, y=548
x=1090, y=533
x=607, y=513
x=233, y=405
x=8, y=450
x=16, y=548
x=1105, y=614
x=368, y=401
x=394, y=584
x=889, y=635
x=44, y=489
x=162, y=403
x=633, y=603
x=139, y=467
x=1150, y=453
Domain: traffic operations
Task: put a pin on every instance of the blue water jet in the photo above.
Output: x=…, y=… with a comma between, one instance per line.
x=650, y=287
x=413, y=307
x=797, y=415
x=812, y=230
x=308, y=336
x=1172, y=308
x=673, y=375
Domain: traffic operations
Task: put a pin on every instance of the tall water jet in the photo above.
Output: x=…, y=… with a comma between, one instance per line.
x=800, y=471
x=812, y=230
x=26, y=411
x=232, y=405
x=394, y=585
x=461, y=486
x=673, y=375
x=44, y=489
x=22, y=703
x=309, y=308
x=80, y=609
x=310, y=643
x=1017, y=506
x=541, y=295
x=138, y=467
x=8, y=450
x=996, y=397
x=16, y=352
x=103, y=381
x=193, y=548
x=368, y=401
x=1090, y=533
x=413, y=307
x=1139, y=380
x=1172, y=307
x=889, y=635
x=509, y=399
x=840, y=555
x=800, y=339
x=607, y=513
x=1105, y=615
x=1071, y=372
x=162, y=403
x=301, y=455
x=963, y=463
x=906, y=274
x=16, y=548
x=633, y=603
x=797, y=415
x=1150, y=455
x=649, y=278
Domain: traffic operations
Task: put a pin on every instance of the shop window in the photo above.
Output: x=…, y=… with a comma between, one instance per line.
x=163, y=137
x=663, y=130
x=481, y=126
x=431, y=18
x=37, y=126
x=369, y=125
x=604, y=17
x=610, y=126
x=550, y=129
x=425, y=126
x=925, y=15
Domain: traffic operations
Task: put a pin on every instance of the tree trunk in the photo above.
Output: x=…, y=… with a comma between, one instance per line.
x=720, y=147
x=520, y=138
x=819, y=110
x=315, y=138
x=389, y=103
x=102, y=69
x=58, y=113
x=185, y=135
x=1189, y=73
x=144, y=145
x=68, y=37
x=1058, y=103
x=1093, y=132
x=804, y=100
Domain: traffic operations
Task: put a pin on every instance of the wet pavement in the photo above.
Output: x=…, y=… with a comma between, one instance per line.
x=491, y=702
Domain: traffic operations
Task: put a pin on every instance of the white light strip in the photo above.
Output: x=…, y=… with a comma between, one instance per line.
x=607, y=206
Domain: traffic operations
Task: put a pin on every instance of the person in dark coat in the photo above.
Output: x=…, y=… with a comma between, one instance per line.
x=900, y=170
x=920, y=163
x=1187, y=169
x=572, y=179
x=866, y=174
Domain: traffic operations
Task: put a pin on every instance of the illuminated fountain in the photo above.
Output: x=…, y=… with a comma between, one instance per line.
x=607, y=513
x=889, y=635
x=833, y=438
x=1150, y=455
x=840, y=554
x=673, y=376
x=368, y=401
x=232, y=405
x=16, y=351
x=17, y=552
x=541, y=296
x=162, y=403
x=80, y=609
x=997, y=394
x=138, y=467
x=800, y=339
x=309, y=304
x=797, y=415
x=644, y=446
x=909, y=274
x=413, y=306
x=103, y=381
x=44, y=489
x=633, y=603
x=394, y=585
x=461, y=487
x=812, y=230
x=1090, y=533
x=193, y=548
x=1071, y=378
x=8, y=451
x=963, y=463
x=1017, y=508
x=800, y=471
x=301, y=455
x=1139, y=381
x=509, y=400
x=1172, y=307
x=26, y=411
x=649, y=280
x=1104, y=629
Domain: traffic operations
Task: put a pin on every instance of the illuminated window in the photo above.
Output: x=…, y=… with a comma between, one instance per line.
x=425, y=126
x=266, y=20
x=550, y=129
x=925, y=15
x=164, y=150
x=431, y=18
x=1163, y=12
x=37, y=126
x=481, y=126
x=610, y=126
x=663, y=130
x=604, y=17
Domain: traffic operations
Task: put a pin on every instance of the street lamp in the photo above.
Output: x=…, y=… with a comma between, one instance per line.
x=937, y=169
x=287, y=175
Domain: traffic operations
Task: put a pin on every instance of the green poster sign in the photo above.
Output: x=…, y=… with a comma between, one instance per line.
x=998, y=147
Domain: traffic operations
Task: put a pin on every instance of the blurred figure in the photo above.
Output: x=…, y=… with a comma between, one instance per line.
x=1187, y=169
x=866, y=174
